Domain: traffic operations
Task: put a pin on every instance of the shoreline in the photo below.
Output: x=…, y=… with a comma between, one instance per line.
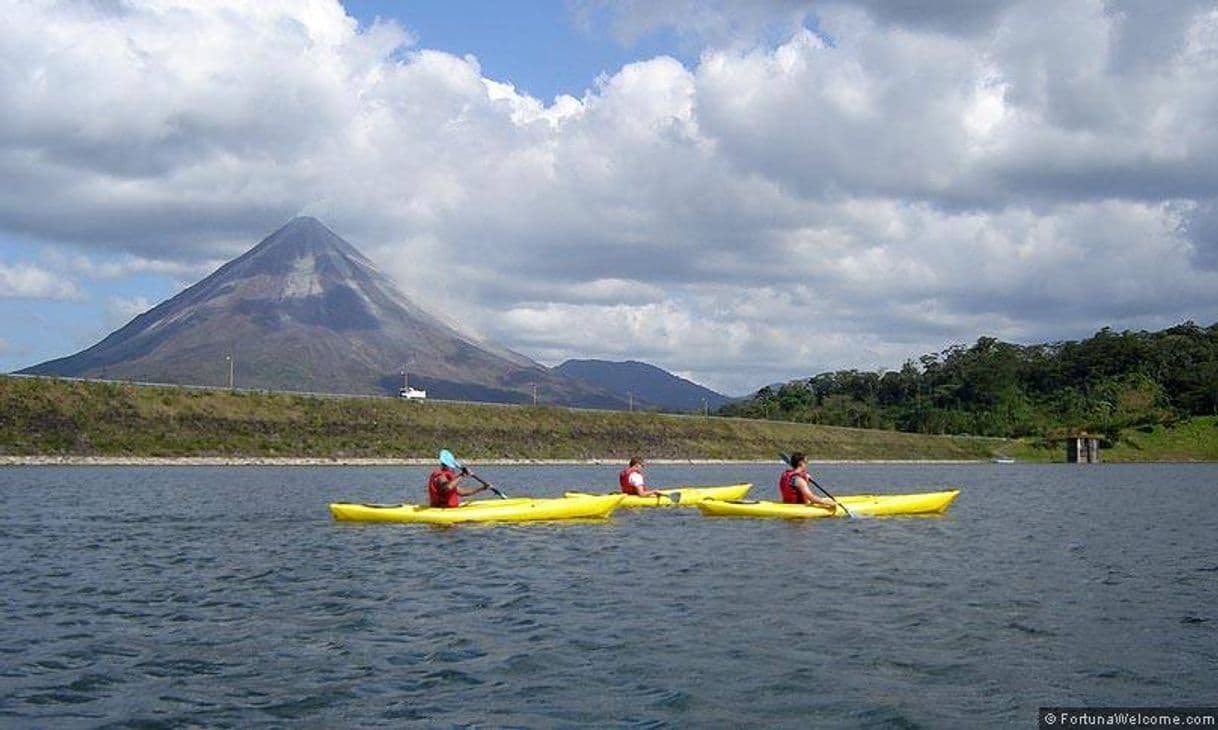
x=340, y=461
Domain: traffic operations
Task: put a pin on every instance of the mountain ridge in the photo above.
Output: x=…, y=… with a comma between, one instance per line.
x=644, y=383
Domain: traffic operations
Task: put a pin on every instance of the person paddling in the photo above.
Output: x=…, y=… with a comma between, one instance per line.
x=631, y=479
x=794, y=488
x=444, y=487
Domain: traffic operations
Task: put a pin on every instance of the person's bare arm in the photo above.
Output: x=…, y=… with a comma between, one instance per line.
x=806, y=490
x=455, y=484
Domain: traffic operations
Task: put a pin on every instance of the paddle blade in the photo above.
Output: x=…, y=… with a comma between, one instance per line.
x=785, y=459
x=447, y=459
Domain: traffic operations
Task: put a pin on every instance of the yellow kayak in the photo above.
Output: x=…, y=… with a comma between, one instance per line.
x=678, y=496
x=868, y=505
x=516, y=509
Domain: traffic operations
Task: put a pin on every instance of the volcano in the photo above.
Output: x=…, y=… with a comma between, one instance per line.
x=304, y=310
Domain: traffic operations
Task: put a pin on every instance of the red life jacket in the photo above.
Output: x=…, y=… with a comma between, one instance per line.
x=623, y=479
x=442, y=497
x=790, y=495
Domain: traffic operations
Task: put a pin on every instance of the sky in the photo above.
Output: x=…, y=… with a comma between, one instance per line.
x=742, y=192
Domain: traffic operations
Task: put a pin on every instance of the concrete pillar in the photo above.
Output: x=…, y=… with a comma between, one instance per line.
x=1082, y=449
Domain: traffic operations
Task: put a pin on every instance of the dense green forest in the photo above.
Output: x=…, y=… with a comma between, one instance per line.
x=1102, y=384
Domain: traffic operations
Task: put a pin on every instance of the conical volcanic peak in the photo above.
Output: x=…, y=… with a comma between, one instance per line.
x=300, y=260
x=302, y=238
x=305, y=310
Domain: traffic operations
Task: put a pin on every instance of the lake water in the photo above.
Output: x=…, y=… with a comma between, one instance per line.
x=227, y=597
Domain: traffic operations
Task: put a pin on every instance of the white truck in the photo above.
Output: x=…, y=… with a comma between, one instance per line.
x=412, y=393
x=408, y=392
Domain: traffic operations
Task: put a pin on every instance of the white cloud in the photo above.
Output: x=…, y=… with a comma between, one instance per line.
x=838, y=184
x=27, y=281
x=120, y=311
x=125, y=265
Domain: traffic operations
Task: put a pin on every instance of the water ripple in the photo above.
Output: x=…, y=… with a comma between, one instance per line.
x=208, y=597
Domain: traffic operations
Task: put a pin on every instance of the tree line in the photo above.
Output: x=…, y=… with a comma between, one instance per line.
x=1107, y=382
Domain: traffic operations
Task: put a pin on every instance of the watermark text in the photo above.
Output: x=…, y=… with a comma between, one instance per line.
x=1052, y=718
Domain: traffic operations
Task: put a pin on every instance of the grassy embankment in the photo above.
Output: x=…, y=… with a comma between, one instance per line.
x=1195, y=439
x=41, y=417
x=72, y=418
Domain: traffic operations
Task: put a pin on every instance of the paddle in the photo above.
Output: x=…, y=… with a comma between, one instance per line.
x=673, y=496
x=447, y=459
x=787, y=460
